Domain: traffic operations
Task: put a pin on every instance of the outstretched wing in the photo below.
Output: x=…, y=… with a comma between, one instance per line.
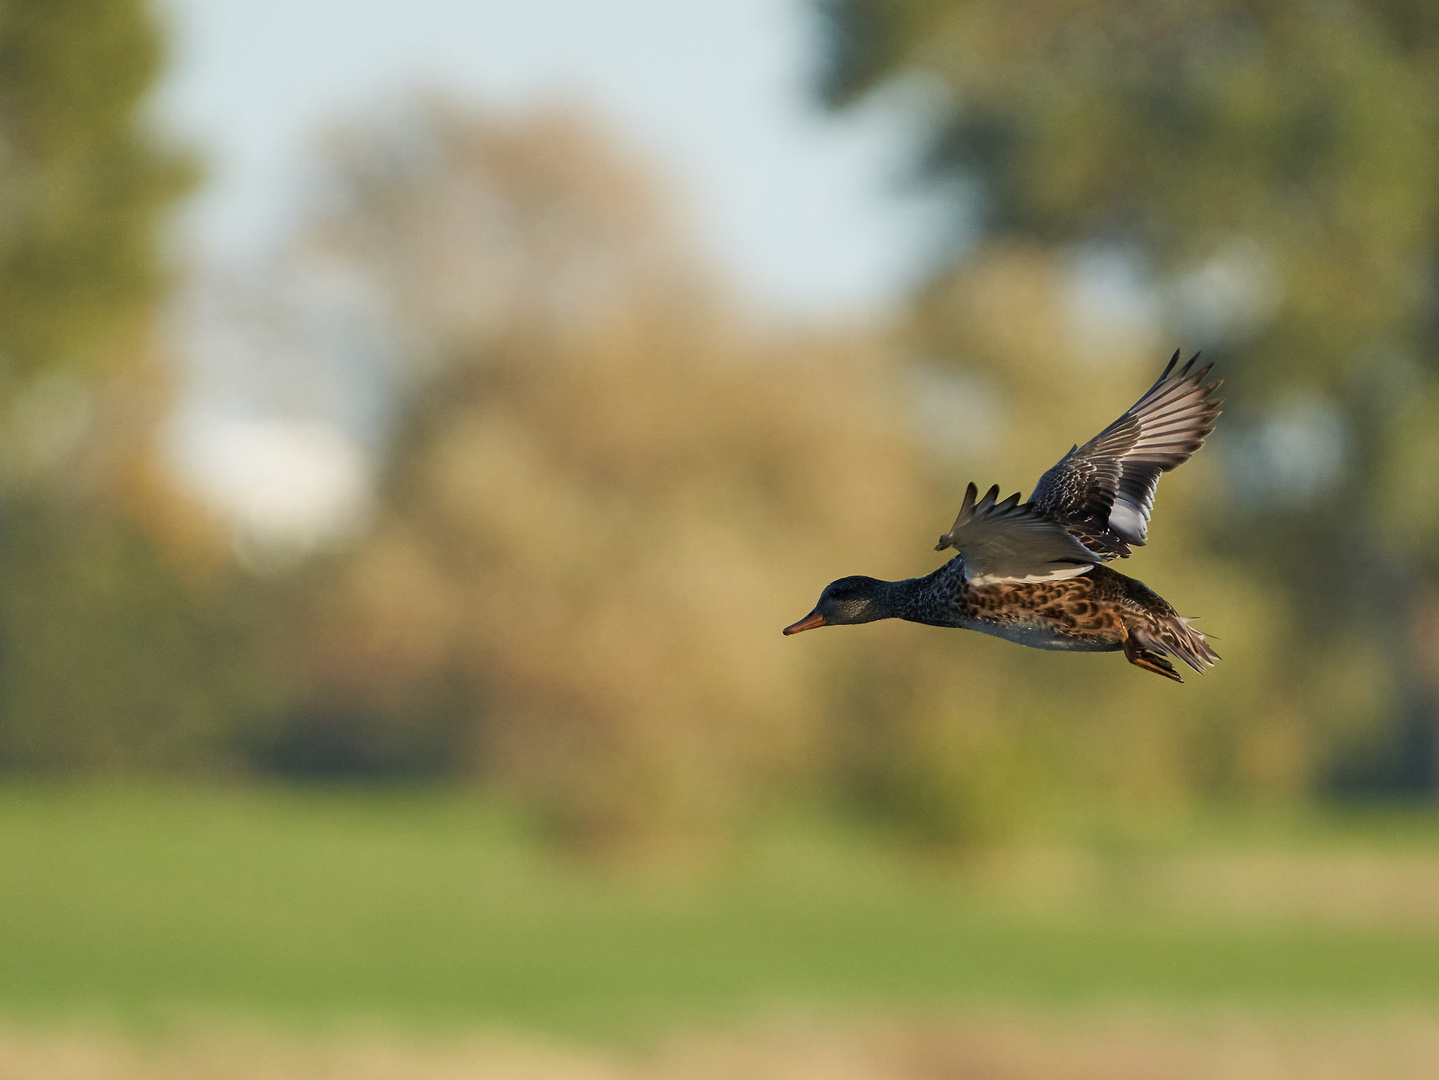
x=1103, y=491
x=1004, y=541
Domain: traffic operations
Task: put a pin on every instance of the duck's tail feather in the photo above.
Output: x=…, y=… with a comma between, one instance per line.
x=1174, y=636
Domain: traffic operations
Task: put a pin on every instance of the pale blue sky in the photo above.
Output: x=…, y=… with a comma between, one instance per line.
x=802, y=207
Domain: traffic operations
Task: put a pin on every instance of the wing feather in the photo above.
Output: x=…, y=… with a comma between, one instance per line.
x=1104, y=490
x=1007, y=541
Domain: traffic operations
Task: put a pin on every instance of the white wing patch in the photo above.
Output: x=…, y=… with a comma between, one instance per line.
x=1053, y=575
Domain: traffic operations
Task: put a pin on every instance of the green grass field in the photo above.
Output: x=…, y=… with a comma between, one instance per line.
x=146, y=905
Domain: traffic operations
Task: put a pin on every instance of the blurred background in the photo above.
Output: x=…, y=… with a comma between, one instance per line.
x=417, y=421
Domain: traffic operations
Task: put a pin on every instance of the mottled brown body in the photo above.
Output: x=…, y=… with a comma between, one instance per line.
x=1099, y=611
x=1074, y=608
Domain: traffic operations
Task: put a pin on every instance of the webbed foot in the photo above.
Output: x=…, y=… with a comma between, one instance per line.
x=1141, y=657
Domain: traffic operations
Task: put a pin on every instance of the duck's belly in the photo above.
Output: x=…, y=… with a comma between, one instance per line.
x=1038, y=635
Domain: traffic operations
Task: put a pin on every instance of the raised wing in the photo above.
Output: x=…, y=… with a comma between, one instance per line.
x=1103, y=491
x=1004, y=541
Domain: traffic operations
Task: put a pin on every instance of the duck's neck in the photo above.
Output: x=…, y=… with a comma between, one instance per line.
x=913, y=599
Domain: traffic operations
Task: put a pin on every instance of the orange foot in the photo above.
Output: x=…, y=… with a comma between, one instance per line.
x=1149, y=661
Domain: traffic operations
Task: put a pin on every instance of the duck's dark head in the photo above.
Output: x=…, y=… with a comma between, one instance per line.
x=848, y=600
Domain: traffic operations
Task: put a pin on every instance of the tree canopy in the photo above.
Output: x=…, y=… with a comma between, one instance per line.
x=86, y=184
x=113, y=656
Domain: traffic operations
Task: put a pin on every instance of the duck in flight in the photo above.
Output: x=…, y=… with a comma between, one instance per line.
x=1033, y=573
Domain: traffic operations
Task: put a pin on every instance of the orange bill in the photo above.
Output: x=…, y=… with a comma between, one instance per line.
x=809, y=622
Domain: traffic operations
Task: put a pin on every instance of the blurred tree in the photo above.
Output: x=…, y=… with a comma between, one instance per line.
x=604, y=499
x=114, y=652
x=1264, y=177
x=85, y=185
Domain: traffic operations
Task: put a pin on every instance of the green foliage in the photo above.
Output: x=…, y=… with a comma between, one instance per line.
x=110, y=661
x=113, y=655
x=85, y=186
